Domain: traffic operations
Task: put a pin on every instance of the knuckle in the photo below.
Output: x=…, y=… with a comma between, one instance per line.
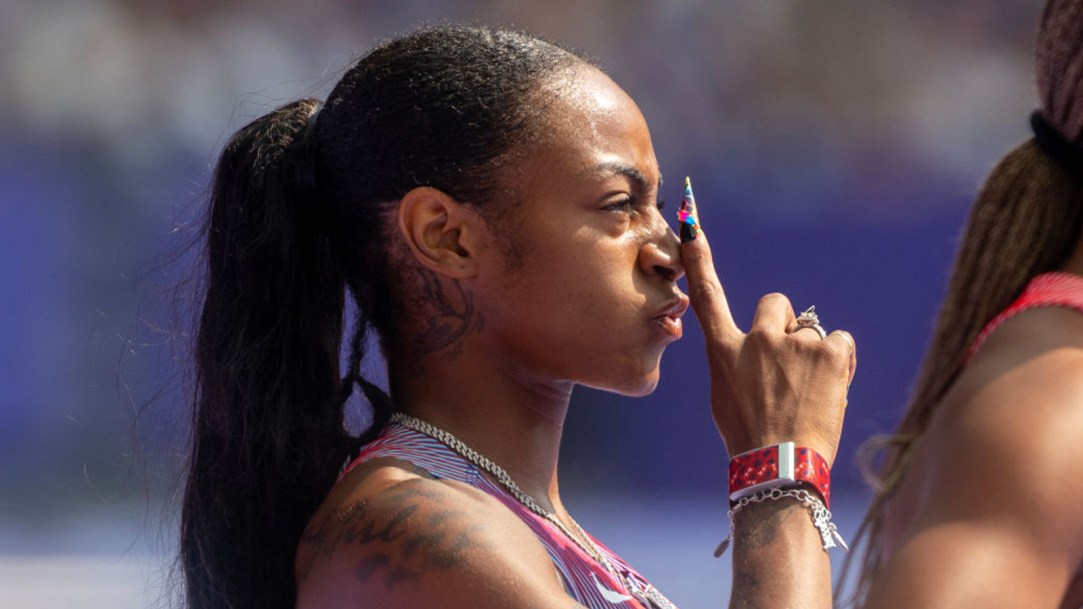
x=805, y=346
x=803, y=350
x=774, y=299
x=762, y=339
x=704, y=290
x=835, y=352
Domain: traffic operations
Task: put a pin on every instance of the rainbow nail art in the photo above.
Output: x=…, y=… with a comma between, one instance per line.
x=687, y=216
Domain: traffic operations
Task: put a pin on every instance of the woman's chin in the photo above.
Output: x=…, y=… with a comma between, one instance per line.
x=631, y=387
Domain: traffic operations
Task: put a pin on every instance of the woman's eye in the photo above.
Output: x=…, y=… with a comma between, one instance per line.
x=623, y=205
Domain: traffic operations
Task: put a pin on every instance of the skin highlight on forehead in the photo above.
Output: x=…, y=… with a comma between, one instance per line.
x=580, y=99
x=597, y=102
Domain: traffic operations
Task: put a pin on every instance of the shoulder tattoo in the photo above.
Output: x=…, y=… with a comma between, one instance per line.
x=403, y=533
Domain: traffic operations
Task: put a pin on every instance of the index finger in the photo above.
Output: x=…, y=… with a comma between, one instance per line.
x=704, y=287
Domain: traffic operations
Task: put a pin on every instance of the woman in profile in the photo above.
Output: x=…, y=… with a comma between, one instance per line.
x=490, y=204
x=981, y=503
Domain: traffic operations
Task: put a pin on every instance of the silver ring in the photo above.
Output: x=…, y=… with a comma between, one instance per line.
x=809, y=319
x=819, y=330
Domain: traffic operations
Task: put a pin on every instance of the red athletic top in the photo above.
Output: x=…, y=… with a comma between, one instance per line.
x=1045, y=290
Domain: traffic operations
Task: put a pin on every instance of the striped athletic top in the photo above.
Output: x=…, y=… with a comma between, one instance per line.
x=1045, y=290
x=584, y=579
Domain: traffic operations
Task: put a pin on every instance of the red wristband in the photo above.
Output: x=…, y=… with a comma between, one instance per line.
x=779, y=465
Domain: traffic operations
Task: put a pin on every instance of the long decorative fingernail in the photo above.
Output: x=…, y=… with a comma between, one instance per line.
x=687, y=216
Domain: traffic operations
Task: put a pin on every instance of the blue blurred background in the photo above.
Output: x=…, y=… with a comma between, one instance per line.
x=834, y=146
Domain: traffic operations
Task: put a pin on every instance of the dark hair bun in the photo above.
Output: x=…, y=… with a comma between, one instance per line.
x=1059, y=67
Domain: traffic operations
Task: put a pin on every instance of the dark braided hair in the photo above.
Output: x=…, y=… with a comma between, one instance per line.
x=1026, y=221
x=296, y=223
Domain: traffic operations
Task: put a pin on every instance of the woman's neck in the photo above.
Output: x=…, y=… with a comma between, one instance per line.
x=514, y=421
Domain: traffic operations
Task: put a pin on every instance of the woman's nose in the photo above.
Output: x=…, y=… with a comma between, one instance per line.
x=662, y=255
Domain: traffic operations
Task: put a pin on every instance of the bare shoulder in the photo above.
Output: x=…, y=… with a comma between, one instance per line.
x=998, y=478
x=389, y=535
x=1025, y=387
x=1010, y=428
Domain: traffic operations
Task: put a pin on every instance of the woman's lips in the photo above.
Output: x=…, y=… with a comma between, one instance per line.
x=668, y=318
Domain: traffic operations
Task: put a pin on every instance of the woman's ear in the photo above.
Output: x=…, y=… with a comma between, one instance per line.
x=441, y=232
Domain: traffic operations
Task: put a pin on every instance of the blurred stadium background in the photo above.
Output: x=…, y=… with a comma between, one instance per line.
x=834, y=145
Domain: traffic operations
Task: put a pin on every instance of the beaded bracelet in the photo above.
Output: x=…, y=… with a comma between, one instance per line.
x=821, y=516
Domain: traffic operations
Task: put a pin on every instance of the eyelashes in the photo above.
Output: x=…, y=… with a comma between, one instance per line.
x=623, y=205
x=628, y=204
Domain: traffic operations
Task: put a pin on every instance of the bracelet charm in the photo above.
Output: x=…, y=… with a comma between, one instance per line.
x=821, y=516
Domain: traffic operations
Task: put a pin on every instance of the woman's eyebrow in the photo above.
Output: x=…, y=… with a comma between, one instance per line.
x=631, y=172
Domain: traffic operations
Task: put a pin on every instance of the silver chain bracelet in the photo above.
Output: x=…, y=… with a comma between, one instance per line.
x=821, y=516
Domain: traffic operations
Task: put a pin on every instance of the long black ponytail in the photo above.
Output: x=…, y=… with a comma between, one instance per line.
x=297, y=222
x=268, y=429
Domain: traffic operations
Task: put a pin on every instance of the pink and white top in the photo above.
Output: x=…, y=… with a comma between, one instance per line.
x=585, y=580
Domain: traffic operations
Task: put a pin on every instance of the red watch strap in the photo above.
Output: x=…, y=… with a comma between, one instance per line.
x=779, y=465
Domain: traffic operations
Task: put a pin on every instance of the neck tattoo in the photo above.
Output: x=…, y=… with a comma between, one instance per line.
x=646, y=594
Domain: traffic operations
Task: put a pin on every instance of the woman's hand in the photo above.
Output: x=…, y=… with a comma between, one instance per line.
x=777, y=383
x=773, y=384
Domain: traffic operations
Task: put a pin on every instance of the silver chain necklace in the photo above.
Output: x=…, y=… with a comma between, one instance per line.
x=649, y=594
